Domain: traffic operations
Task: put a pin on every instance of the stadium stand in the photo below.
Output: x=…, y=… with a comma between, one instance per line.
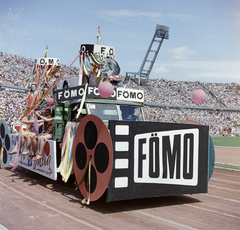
x=165, y=100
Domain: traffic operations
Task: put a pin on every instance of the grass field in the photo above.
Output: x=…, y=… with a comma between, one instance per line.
x=228, y=166
x=226, y=141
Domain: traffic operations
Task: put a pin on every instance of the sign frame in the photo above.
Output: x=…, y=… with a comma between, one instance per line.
x=122, y=185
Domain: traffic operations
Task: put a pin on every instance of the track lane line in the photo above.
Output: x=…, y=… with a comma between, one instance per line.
x=221, y=198
x=166, y=220
x=225, y=181
x=51, y=208
x=224, y=174
x=214, y=186
x=208, y=210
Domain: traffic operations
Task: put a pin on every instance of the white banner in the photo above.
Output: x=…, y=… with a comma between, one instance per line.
x=47, y=166
x=47, y=61
x=130, y=95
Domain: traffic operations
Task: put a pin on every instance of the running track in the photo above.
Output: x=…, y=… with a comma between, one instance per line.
x=39, y=203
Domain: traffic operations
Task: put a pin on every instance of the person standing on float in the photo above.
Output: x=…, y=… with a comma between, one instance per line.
x=32, y=96
x=43, y=103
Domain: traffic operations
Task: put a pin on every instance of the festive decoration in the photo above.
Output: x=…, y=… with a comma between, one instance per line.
x=48, y=91
x=199, y=96
x=15, y=165
x=50, y=101
x=42, y=74
x=97, y=64
x=92, y=157
x=67, y=164
x=105, y=89
x=109, y=68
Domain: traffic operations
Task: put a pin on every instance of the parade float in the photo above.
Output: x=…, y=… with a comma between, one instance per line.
x=101, y=138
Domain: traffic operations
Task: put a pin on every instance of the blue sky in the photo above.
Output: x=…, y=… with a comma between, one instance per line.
x=203, y=44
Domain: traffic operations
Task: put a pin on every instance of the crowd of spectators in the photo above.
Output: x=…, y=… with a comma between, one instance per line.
x=219, y=95
x=14, y=70
x=216, y=120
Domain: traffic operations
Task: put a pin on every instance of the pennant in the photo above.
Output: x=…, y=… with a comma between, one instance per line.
x=63, y=148
x=65, y=159
x=15, y=165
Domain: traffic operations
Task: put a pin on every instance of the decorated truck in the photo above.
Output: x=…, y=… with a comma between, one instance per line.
x=108, y=146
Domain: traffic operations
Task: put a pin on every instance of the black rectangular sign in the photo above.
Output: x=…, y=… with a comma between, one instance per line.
x=77, y=92
x=153, y=159
x=73, y=93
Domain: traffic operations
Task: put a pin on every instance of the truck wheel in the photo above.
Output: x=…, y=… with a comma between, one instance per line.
x=92, y=157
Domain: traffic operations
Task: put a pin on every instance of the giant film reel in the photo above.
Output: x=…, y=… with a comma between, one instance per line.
x=92, y=143
x=5, y=142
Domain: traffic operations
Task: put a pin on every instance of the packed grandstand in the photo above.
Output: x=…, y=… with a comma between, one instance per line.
x=165, y=100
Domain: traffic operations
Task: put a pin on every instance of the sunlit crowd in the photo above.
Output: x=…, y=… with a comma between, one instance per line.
x=14, y=70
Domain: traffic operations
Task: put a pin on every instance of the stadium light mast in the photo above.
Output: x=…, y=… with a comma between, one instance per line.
x=161, y=33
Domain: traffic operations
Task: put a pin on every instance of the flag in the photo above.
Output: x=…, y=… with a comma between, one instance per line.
x=99, y=36
x=46, y=52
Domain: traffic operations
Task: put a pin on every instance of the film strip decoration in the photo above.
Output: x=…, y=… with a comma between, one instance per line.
x=152, y=159
x=5, y=144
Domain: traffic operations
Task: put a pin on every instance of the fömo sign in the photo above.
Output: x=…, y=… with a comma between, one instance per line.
x=168, y=157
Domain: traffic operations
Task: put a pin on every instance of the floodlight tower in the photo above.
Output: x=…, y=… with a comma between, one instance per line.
x=161, y=33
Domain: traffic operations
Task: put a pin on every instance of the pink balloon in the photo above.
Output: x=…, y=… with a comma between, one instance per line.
x=199, y=96
x=105, y=89
x=50, y=101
